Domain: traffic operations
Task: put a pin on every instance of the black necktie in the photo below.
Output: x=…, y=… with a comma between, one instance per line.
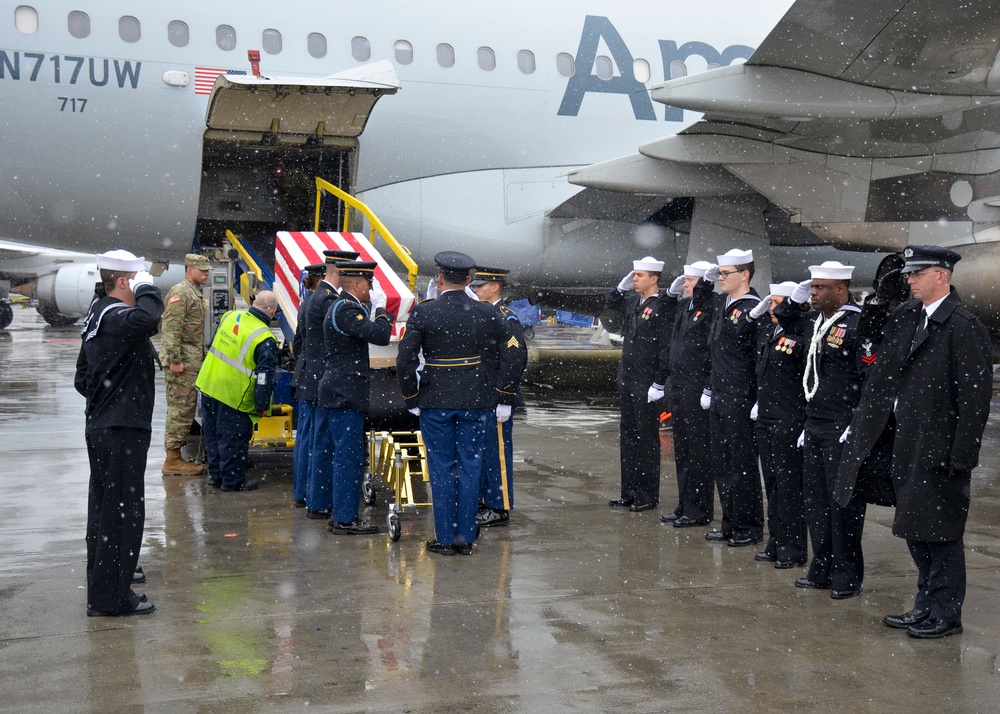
x=921, y=330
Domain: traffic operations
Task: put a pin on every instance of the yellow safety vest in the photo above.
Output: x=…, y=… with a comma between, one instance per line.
x=227, y=374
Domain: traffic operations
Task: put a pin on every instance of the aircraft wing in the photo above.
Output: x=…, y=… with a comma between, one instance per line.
x=872, y=123
x=20, y=263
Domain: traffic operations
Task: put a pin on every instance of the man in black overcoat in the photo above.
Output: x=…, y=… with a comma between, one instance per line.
x=932, y=382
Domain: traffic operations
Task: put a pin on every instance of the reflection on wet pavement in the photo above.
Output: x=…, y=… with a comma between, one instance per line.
x=574, y=607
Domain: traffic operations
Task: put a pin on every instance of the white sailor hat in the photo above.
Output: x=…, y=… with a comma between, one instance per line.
x=120, y=261
x=697, y=269
x=648, y=263
x=785, y=289
x=736, y=257
x=831, y=270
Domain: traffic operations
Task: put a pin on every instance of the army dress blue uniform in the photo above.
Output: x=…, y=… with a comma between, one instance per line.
x=342, y=399
x=303, y=411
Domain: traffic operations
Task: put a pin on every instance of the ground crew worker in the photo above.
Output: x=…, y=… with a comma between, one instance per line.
x=690, y=370
x=343, y=394
x=642, y=376
x=930, y=388
x=312, y=472
x=182, y=348
x=115, y=372
x=303, y=414
x=236, y=382
x=780, y=414
x=457, y=399
x=488, y=284
x=729, y=399
x=832, y=382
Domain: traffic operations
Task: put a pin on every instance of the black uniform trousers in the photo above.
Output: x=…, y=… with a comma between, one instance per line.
x=116, y=514
x=940, y=577
x=736, y=474
x=639, y=433
x=781, y=467
x=692, y=455
x=835, y=531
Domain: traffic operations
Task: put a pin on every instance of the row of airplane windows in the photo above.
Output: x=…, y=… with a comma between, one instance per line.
x=179, y=35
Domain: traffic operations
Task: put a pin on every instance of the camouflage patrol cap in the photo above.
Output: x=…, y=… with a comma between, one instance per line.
x=197, y=261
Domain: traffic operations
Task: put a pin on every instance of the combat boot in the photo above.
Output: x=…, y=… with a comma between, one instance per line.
x=175, y=465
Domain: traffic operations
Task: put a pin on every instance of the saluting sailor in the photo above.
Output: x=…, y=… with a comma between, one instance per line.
x=456, y=397
x=488, y=285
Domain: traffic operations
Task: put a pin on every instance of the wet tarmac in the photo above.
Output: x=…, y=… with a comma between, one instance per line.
x=574, y=607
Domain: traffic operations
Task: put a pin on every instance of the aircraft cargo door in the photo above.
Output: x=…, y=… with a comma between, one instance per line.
x=268, y=136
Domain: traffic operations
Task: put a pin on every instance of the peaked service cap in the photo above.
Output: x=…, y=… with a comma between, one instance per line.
x=918, y=257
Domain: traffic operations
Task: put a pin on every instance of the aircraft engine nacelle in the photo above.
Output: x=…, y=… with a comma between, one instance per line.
x=977, y=279
x=68, y=292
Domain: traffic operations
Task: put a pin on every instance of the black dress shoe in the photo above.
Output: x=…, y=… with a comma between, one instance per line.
x=624, y=502
x=765, y=557
x=215, y=484
x=685, y=522
x=143, y=608
x=785, y=564
x=845, y=594
x=138, y=576
x=744, y=540
x=907, y=619
x=932, y=628
x=810, y=584
x=352, y=528
x=300, y=503
x=463, y=548
x=639, y=507
x=323, y=514
x=668, y=517
x=434, y=546
x=717, y=536
x=243, y=486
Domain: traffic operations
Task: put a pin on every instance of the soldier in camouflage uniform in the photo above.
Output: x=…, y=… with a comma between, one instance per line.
x=182, y=349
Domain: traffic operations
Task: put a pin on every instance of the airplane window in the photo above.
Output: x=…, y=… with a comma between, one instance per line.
x=605, y=67
x=178, y=34
x=361, y=49
x=678, y=69
x=565, y=64
x=487, y=59
x=79, y=24
x=128, y=28
x=403, y=51
x=446, y=55
x=26, y=20
x=526, y=61
x=225, y=38
x=270, y=40
x=316, y=44
x=640, y=68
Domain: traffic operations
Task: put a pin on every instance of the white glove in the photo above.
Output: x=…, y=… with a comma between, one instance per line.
x=802, y=292
x=471, y=293
x=762, y=307
x=503, y=412
x=843, y=437
x=377, y=295
x=141, y=278
x=801, y=440
x=655, y=392
x=627, y=283
x=706, y=398
x=432, y=289
x=415, y=411
x=677, y=287
x=753, y=411
x=712, y=274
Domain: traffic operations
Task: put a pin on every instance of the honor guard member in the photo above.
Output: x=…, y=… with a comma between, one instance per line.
x=931, y=385
x=342, y=397
x=312, y=473
x=642, y=374
x=456, y=398
x=488, y=285
x=731, y=394
x=690, y=369
x=832, y=382
x=182, y=348
x=314, y=275
x=780, y=414
x=115, y=372
x=236, y=382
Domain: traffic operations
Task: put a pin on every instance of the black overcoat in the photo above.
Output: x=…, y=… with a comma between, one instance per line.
x=939, y=392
